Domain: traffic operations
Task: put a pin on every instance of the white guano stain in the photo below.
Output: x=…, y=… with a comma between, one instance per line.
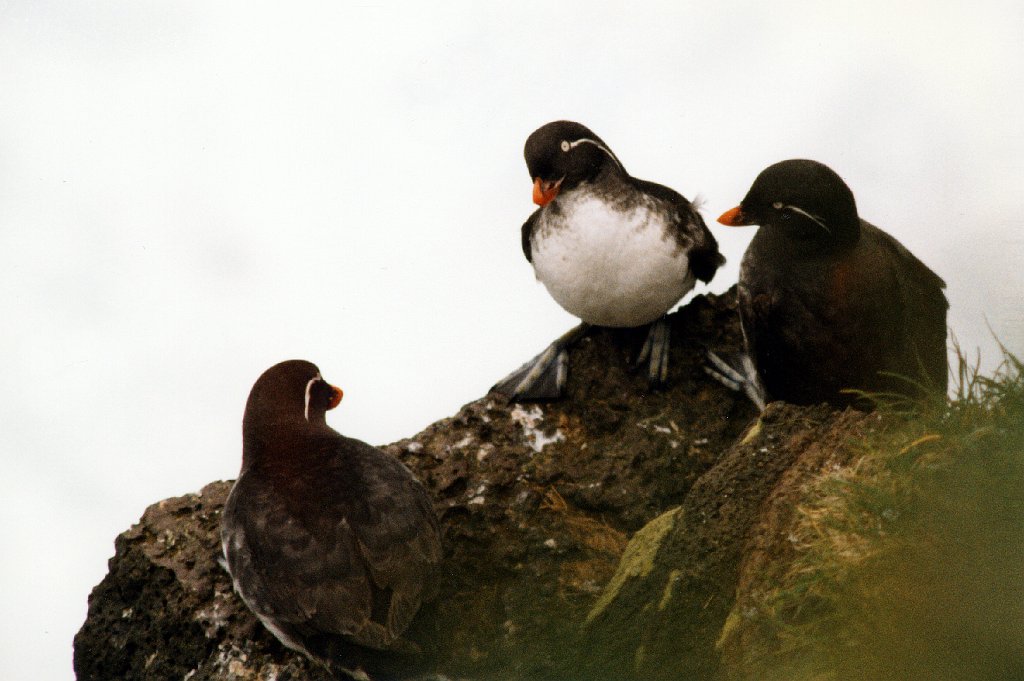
x=529, y=421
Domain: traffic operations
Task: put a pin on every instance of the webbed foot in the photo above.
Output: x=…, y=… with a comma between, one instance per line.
x=544, y=376
x=739, y=374
x=655, y=352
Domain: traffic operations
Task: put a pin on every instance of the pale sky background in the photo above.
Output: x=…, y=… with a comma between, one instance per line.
x=191, y=191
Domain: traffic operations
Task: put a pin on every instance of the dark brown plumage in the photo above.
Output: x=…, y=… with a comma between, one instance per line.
x=324, y=535
x=829, y=302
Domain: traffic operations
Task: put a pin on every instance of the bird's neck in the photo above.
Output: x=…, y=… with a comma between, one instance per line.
x=788, y=247
x=607, y=176
x=609, y=186
x=280, y=444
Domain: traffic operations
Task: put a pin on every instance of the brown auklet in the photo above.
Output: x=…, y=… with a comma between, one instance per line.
x=326, y=538
x=831, y=306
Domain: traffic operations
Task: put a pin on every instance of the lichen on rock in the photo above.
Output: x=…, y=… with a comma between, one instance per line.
x=637, y=560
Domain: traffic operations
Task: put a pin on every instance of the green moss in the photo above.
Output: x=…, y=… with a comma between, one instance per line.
x=638, y=559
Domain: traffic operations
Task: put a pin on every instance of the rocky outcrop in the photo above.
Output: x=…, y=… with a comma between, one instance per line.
x=603, y=536
x=664, y=613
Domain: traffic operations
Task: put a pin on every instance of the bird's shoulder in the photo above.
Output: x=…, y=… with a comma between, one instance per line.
x=347, y=488
x=912, y=274
x=687, y=227
x=391, y=515
x=660, y=192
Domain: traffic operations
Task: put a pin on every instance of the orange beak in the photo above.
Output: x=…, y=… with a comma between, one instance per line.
x=336, y=395
x=734, y=217
x=545, y=191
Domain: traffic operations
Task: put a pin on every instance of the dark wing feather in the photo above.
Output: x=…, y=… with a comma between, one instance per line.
x=924, y=305
x=691, y=231
x=397, y=534
x=924, y=278
x=527, y=235
x=290, y=575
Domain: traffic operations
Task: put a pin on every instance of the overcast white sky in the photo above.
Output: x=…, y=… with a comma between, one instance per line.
x=192, y=191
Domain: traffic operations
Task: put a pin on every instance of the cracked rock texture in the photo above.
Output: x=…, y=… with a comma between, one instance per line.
x=538, y=504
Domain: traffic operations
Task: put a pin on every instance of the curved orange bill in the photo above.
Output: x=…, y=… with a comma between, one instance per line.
x=545, y=191
x=336, y=395
x=734, y=217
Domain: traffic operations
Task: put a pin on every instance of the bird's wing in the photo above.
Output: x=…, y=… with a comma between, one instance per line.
x=397, y=534
x=921, y=291
x=690, y=230
x=527, y=235
x=924, y=278
x=297, y=579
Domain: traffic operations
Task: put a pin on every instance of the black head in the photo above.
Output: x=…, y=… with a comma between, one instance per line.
x=563, y=154
x=805, y=199
x=291, y=393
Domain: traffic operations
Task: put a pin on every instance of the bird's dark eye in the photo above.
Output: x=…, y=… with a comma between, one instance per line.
x=565, y=145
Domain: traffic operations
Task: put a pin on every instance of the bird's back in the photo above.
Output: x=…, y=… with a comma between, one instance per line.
x=920, y=354
x=343, y=543
x=690, y=230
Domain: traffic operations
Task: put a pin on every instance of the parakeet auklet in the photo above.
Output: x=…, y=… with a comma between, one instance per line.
x=829, y=302
x=325, y=537
x=611, y=249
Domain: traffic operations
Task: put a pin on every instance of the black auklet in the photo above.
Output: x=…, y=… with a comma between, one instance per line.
x=611, y=249
x=830, y=303
x=325, y=537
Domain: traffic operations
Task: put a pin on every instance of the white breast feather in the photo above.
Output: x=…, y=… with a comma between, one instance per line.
x=610, y=267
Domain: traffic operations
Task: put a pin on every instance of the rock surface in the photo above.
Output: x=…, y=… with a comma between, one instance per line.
x=665, y=612
x=537, y=503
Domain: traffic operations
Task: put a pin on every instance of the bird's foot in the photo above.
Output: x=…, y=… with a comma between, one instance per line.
x=544, y=376
x=739, y=374
x=655, y=352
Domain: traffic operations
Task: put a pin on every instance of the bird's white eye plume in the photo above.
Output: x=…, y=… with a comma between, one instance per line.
x=309, y=390
x=779, y=205
x=587, y=140
x=813, y=218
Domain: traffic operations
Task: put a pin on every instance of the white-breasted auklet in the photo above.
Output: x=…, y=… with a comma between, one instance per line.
x=610, y=249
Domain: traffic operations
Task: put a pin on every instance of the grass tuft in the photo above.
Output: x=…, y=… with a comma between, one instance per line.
x=910, y=561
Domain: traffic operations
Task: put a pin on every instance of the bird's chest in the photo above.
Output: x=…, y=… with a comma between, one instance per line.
x=815, y=311
x=610, y=264
x=778, y=284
